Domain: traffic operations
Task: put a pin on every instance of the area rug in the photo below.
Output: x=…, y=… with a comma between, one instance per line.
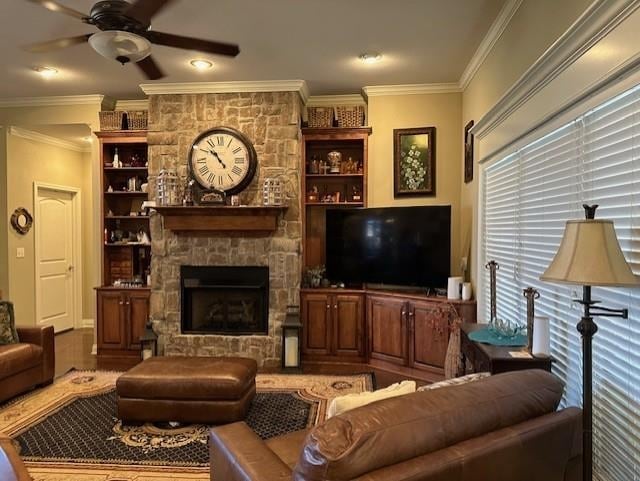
x=69, y=430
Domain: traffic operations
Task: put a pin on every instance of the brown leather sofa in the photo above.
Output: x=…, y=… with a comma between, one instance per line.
x=11, y=466
x=502, y=428
x=27, y=364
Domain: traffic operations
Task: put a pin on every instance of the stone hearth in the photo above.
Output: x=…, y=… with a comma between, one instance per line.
x=271, y=121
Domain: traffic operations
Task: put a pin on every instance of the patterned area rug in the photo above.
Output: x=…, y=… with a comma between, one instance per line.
x=69, y=430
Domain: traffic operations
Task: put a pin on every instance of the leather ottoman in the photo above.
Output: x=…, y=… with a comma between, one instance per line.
x=206, y=390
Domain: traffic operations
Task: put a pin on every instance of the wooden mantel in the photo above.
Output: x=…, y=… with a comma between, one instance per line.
x=247, y=219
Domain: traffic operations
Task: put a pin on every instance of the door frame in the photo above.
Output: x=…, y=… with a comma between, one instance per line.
x=76, y=255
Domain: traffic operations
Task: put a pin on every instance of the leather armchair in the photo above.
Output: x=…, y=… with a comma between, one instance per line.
x=11, y=466
x=501, y=428
x=27, y=364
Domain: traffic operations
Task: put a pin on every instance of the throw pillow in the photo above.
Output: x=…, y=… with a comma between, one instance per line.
x=345, y=403
x=8, y=333
x=455, y=381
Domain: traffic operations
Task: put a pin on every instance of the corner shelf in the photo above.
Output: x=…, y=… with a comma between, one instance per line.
x=222, y=218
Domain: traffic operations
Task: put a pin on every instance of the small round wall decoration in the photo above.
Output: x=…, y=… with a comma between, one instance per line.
x=21, y=220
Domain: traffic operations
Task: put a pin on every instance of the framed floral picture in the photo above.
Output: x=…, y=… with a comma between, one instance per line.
x=414, y=162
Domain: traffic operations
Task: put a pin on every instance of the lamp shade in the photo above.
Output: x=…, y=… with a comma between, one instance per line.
x=590, y=255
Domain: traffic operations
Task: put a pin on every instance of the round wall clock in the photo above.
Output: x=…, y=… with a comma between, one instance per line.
x=222, y=159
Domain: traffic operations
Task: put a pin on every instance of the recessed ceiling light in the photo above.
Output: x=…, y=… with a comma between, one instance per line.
x=370, y=57
x=200, y=64
x=46, y=72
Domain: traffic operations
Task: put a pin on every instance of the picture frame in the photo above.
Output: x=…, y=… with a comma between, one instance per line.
x=414, y=162
x=468, y=152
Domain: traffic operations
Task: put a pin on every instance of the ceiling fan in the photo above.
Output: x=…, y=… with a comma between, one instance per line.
x=125, y=33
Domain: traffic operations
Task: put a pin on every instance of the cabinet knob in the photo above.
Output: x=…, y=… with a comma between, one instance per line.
x=328, y=306
x=127, y=303
x=121, y=302
x=411, y=313
x=335, y=306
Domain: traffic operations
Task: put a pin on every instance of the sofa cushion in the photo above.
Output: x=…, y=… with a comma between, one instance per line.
x=287, y=447
x=15, y=358
x=8, y=333
x=397, y=429
x=347, y=402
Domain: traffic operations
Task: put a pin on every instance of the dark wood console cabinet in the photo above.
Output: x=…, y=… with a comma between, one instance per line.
x=122, y=315
x=406, y=333
x=333, y=325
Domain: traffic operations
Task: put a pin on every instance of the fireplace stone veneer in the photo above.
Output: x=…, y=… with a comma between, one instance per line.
x=271, y=121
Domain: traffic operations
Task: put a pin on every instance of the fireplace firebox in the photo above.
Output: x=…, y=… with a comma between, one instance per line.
x=224, y=300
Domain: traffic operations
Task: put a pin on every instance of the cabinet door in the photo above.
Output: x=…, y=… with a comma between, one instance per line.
x=429, y=338
x=387, y=329
x=348, y=326
x=111, y=320
x=138, y=314
x=316, y=322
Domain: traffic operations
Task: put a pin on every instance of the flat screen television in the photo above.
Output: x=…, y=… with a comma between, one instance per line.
x=399, y=246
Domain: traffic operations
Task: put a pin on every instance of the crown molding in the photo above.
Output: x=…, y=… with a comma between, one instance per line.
x=600, y=18
x=488, y=42
x=299, y=86
x=142, y=104
x=52, y=101
x=332, y=100
x=410, y=89
x=47, y=139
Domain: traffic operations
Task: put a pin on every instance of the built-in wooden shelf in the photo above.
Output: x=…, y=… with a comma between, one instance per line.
x=125, y=192
x=329, y=176
x=336, y=204
x=126, y=169
x=222, y=218
x=126, y=244
x=125, y=217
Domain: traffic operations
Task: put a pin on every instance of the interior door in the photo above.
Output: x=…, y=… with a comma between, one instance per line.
x=55, y=290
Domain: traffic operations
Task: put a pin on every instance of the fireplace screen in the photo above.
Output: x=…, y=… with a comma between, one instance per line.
x=225, y=300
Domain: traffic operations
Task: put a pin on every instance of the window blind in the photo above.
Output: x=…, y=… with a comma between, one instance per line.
x=528, y=197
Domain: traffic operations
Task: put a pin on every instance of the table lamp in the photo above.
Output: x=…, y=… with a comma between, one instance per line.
x=590, y=255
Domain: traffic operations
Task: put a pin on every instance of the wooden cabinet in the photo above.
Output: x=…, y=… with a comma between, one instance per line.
x=333, y=325
x=387, y=326
x=122, y=315
x=410, y=333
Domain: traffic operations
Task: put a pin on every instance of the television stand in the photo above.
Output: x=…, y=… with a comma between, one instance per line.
x=400, y=330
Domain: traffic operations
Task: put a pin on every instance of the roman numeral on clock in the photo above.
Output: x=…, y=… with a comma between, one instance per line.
x=231, y=178
x=239, y=160
x=236, y=170
x=203, y=170
x=219, y=180
x=202, y=160
x=211, y=144
x=220, y=140
x=210, y=178
x=237, y=149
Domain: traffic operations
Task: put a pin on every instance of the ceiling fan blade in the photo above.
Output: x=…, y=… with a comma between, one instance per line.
x=150, y=68
x=56, y=44
x=190, y=43
x=143, y=10
x=56, y=7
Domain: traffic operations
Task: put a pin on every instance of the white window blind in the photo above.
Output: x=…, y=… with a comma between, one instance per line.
x=528, y=197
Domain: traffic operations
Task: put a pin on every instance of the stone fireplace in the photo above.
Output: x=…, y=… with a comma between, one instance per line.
x=224, y=300
x=271, y=121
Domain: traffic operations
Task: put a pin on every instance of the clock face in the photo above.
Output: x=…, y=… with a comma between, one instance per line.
x=222, y=159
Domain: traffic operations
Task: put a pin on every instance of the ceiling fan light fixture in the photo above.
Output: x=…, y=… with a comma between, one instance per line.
x=201, y=64
x=46, y=72
x=370, y=58
x=120, y=45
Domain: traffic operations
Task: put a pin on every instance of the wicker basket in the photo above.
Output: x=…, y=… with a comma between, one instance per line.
x=111, y=119
x=320, y=116
x=350, y=115
x=137, y=119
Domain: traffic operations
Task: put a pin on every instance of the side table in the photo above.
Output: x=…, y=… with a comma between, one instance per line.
x=495, y=359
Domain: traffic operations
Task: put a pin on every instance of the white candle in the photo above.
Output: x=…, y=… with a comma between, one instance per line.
x=541, y=337
x=291, y=351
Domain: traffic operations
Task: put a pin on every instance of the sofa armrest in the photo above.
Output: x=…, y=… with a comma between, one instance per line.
x=11, y=466
x=43, y=337
x=238, y=454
